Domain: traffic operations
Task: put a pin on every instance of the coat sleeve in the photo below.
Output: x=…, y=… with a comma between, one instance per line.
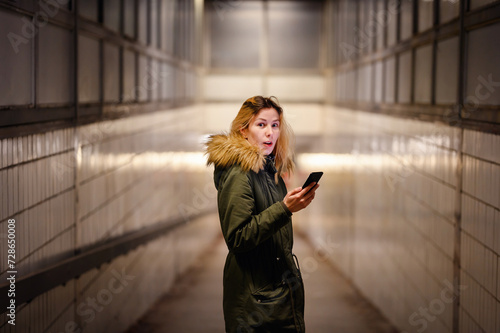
x=243, y=230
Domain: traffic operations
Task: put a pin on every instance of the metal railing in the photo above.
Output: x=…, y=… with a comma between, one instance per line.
x=36, y=283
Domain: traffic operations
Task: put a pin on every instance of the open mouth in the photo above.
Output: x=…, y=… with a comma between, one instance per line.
x=268, y=143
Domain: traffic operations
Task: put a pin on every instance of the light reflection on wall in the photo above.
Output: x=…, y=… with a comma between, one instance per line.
x=414, y=155
x=339, y=162
x=152, y=161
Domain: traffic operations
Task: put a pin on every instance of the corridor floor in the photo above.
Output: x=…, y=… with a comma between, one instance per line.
x=195, y=302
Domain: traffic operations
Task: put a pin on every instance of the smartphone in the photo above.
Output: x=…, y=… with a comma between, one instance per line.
x=314, y=177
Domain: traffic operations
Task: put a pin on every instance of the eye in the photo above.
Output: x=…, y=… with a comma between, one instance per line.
x=276, y=125
x=261, y=124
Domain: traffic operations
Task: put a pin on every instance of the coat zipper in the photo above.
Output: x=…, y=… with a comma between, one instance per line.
x=269, y=193
x=297, y=323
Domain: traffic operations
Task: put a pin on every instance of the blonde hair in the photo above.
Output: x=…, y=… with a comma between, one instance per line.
x=283, y=150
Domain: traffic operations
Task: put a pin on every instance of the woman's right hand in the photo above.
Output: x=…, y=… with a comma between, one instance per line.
x=298, y=198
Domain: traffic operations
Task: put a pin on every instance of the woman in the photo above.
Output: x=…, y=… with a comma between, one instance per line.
x=263, y=289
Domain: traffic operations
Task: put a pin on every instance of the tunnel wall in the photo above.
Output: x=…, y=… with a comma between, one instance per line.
x=82, y=161
x=400, y=201
x=74, y=188
x=410, y=205
x=263, y=48
x=76, y=62
x=418, y=197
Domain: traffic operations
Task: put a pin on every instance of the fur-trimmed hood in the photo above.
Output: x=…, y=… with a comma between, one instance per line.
x=224, y=150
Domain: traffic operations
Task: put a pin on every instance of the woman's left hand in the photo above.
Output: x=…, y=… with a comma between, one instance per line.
x=299, y=198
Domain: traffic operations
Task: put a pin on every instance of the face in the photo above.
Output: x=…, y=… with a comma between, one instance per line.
x=264, y=130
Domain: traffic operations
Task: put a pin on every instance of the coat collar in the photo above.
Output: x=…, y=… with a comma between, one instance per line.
x=270, y=164
x=225, y=150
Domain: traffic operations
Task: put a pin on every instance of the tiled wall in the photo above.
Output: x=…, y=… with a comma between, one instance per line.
x=480, y=232
x=387, y=211
x=72, y=188
x=386, y=214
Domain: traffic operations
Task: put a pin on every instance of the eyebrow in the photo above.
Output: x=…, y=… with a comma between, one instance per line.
x=262, y=119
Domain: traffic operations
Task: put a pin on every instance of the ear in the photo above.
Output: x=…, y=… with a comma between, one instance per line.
x=244, y=132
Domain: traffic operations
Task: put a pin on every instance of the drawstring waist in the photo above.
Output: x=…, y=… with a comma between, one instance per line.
x=296, y=260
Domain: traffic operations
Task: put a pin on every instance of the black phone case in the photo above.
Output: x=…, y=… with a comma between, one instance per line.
x=314, y=177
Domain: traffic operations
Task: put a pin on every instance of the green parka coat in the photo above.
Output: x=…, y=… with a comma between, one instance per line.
x=263, y=289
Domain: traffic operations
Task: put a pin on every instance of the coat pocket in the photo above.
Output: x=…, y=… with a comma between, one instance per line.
x=271, y=309
x=271, y=294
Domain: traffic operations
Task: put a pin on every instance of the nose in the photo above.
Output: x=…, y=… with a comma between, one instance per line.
x=269, y=131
